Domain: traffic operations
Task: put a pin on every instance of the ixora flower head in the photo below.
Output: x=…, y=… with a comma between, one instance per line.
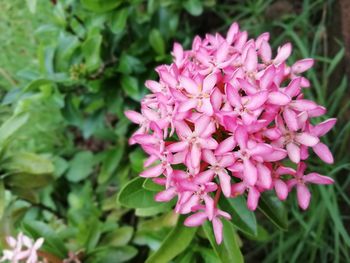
x=222, y=121
x=21, y=249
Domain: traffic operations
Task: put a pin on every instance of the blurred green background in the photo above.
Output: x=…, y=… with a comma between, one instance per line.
x=68, y=71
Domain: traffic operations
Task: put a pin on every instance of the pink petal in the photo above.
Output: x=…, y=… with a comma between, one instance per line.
x=189, y=85
x=188, y=105
x=278, y=98
x=195, y=156
x=232, y=33
x=238, y=189
x=209, y=157
x=222, y=52
x=202, y=124
x=182, y=129
x=196, y=219
x=209, y=206
x=306, y=139
x=251, y=60
x=204, y=177
x=281, y=189
x=260, y=149
x=316, y=178
x=209, y=83
x=290, y=118
x=227, y=160
x=250, y=172
x=217, y=226
x=302, y=65
x=304, y=196
x=265, y=179
x=323, y=152
x=241, y=137
x=209, y=143
x=324, y=127
x=216, y=99
x=303, y=105
x=153, y=86
x=206, y=107
x=253, y=198
x=226, y=146
x=191, y=202
x=134, y=116
x=177, y=146
x=168, y=78
x=283, y=53
x=293, y=152
x=233, y=96
x=265, y=51
x=154, y=171
x=293, y=88
x=257, y=100
x=166, y=195
x=225, y=183
x=276, y=155
x=267, y=78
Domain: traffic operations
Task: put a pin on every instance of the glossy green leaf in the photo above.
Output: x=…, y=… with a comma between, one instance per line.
x=157, y=42
x=133, y=195
x=152, y=186
x=194, y=7
x=175, y=243
x=130, y=87
x=242, y=217
x=228, y=251
x=110, y=163
x=274, y=210
x=101, y=5
x=80, y=166
x=28, y=181
x=118, y=21
x=52, y=243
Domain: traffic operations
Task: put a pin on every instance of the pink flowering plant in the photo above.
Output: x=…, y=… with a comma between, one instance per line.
x=228, y=118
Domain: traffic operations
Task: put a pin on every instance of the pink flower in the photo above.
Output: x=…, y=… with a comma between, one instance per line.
x=22, y=248
x=300, y=181
x=229, y=114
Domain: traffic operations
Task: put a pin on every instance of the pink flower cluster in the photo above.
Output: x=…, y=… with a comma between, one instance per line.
x=22, y=249
x=222, y=119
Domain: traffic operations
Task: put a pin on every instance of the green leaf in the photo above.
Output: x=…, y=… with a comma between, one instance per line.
x=91, y=52
x=194, y=7
x=52, y=243
x=118, y=237
x=29, y=163
x=2, y=198
x=152, y=211
x=133, y=195
x=101, y=5
x=28, y=181
x=110, y=163
x=136, y=159
x=118, y=21
x=242, y=217
x=112, y=255
x=10, y=126
x=156, y=41
x=80, y=166
x=274, y=210
x=148, y=184
x=175, y=243
x=228, y=251
x=130, y=87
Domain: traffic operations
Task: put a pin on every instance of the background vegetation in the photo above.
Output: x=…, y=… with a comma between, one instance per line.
x=69, y=69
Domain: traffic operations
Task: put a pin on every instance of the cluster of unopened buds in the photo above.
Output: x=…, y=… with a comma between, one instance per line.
x=223, y=119
x=22, y=249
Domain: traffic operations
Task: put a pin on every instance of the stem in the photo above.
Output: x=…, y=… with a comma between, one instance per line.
x=217, y=196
